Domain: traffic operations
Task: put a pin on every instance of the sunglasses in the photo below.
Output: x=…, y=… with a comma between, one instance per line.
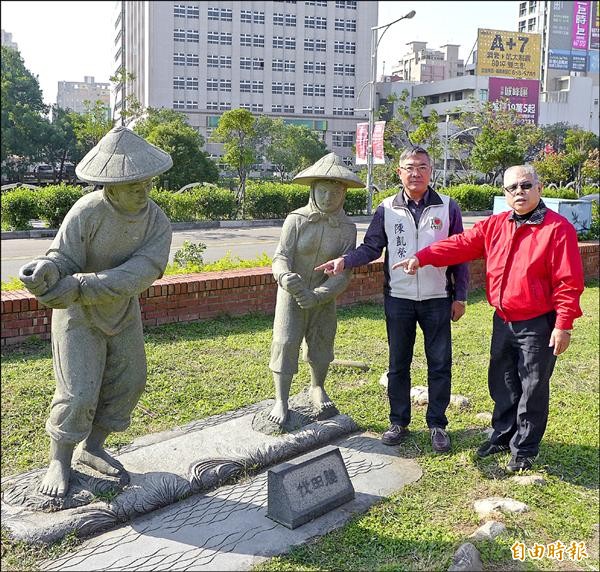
x=512, y=189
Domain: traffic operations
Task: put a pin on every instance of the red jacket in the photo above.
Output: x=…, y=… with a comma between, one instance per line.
x=530, y=271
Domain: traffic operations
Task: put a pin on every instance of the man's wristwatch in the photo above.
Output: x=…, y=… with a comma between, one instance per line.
x=463, y=302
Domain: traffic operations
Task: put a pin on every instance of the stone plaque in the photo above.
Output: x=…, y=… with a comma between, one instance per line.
x=308, y=486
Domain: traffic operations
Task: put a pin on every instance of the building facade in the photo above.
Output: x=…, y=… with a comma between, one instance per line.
x=304, y=62
x=8, y=41
x=72, y=95
x=422, y=64
x=570, y=38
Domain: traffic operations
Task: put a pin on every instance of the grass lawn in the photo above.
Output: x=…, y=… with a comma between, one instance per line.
x=204, y=368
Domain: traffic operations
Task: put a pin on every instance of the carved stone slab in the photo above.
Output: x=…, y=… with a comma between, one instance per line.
x=228, y=528
x=163, y=469
x=311, y=485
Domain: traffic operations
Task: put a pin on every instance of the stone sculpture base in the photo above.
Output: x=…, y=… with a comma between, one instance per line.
x=300, y=414
x=163, y=469
x=228, y=528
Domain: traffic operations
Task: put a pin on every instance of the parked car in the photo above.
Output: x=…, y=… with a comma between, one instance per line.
x=44, y=171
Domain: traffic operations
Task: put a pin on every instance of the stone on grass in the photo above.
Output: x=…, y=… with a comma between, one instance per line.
x=419, y=395
x=489, y=531
x=383, y=380
x=459, y=401
x=528, y=480
x=488, y=432
x=491, y=504
x=484, y=416
x=466, y=558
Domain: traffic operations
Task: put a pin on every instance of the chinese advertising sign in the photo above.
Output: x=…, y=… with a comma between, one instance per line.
x=508, y=54
x=362, y=143
x=571, y=30
x=522, y=95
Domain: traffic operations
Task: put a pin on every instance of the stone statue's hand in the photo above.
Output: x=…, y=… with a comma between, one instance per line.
x=39, y=276
x=306, y=299
x=292, y=282
x=63, y=294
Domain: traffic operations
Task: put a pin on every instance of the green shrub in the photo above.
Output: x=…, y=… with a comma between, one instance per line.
x=189, y=253
x=559, y=193
x=473, y=197
x=19, y=206
x=356, y=202
x=266, y=201
x=378, y=197
x=55, y=201
x=214, y=203
x=589, y=190
x=297, y=196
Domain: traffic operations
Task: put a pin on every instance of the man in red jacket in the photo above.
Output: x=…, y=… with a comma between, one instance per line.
x=534, y=279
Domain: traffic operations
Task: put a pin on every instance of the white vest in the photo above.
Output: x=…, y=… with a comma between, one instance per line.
x=405, y=239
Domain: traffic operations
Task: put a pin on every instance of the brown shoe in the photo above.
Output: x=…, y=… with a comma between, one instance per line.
x=394, y=435
x=440, y=440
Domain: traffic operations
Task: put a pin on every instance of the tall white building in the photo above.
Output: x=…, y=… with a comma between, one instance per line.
x=422, y=64
x=301, y=61
x=72, y=95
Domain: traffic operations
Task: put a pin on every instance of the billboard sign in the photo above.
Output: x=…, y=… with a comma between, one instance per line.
x=378, y=155
x=581, y=25
x=508, y=54
x=522, y=95
x=595, y=26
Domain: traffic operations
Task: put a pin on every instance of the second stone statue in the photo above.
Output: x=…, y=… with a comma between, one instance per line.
x=305, y=309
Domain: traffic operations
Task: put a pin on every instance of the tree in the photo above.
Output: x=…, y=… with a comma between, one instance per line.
x=23, y=121
x=91, y=125
x=169, y=131
x=60, y=143
x=292, y=148
x=591, y=167
x=578, y=144
x=552, y=168
x=237, y=130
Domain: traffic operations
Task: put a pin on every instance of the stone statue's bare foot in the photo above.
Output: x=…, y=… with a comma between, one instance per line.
x=278, y=413
x=319, y=398
x=56, y=481
x=101, y=461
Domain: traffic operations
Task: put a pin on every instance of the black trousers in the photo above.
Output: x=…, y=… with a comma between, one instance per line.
x=521, y=364
x=433, y=317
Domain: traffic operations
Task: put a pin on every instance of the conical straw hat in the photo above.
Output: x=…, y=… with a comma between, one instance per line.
x=121, y=156
x=329, y=167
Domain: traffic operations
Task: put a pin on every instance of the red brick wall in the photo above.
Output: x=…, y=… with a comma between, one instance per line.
x=199, y=296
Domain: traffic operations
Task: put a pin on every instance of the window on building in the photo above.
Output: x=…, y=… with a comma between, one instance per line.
x=351, y=5
x=179, y=11
x=290, y=43
x=531, y=25
x=532, y=6
x=258, y=17
x=226, y=14
x=245, y=39
x=194, y=60
x=212, y=106
x=179, y=35
x=289, y=109
x=278, y=19
x=193, y=12
x=289, y=88
x=290, y=19
x=258, y=41
x=245, y=63
x=276, y=108
x=276, y=87
x=522, y=26
x=483, y=95
x=178, y=82
x=341, y=47
x=213, y=13
x=277, y=65
x=318, y=22
x=342, y=138
x=245, y=85
x=321, y=3
x=191, y=104
x=246, y=16
x=344, y=69
x=277, y=41
x=289, y=66
x=257, y=86
x=258, y=64
x=522, y=8
x=225, y=85
x=178, y=104
x=179, y=59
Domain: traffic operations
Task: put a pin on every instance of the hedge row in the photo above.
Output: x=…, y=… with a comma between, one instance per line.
x=264, y=200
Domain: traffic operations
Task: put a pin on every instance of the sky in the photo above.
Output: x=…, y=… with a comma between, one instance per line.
x=65, y=41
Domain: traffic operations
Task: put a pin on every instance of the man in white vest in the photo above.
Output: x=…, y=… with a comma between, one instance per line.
x=414, y=218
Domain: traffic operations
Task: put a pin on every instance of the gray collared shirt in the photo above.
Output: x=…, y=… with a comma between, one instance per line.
x=416, y=208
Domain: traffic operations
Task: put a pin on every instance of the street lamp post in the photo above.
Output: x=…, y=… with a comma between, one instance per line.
x=375, y=39
x=446, y=139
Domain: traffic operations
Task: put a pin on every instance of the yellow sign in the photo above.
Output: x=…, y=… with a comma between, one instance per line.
x=508, y=54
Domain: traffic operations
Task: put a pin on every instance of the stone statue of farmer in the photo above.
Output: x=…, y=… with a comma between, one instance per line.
x=305, y=306
x=111, y=246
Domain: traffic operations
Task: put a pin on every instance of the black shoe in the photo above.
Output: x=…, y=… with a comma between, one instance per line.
x=489, y=448
x=394, y=435
x=517, y=464
x=440, y=440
